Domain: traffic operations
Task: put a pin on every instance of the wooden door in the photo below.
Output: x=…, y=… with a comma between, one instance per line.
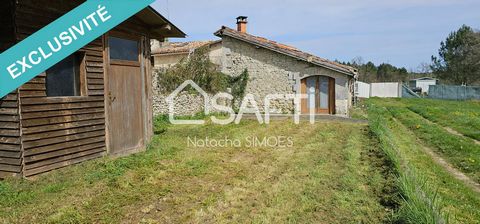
x=126, y=123
x=320, y=91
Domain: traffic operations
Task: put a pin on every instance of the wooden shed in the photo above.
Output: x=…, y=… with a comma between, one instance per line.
x=95, y=102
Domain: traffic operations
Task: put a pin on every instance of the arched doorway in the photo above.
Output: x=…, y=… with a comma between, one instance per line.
x=320, y=91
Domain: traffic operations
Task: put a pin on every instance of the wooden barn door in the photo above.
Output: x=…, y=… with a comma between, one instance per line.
x=320, y=91
x=125, y=95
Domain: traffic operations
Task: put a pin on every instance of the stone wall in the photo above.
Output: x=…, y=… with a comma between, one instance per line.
x=270, y=73
x=186, y=103
x=275, y=73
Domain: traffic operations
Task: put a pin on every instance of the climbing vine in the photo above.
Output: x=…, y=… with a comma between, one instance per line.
x=198, y=68
x=238, y=85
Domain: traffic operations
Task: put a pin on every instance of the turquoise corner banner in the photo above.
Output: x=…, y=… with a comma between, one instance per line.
x=61, y=38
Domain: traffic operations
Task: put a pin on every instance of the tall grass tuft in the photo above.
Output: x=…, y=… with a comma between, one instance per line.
x=419, y=200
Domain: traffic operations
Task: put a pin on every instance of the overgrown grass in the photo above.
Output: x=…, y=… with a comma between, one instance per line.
x=462, y=152
x=420, y=202
x=327, y=176
x=459, y=202
x=464, y=119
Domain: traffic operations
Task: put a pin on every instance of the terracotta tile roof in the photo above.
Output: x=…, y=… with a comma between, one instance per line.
x=180, y=47
x=286, y=50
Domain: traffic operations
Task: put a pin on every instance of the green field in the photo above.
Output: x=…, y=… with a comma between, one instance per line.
x=463, y=117
x=332, y=174
x=408, y=135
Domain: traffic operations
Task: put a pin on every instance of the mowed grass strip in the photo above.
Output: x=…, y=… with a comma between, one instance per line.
x=459, y=202
x=464, y=118
x=461, y=152
x=328, y=176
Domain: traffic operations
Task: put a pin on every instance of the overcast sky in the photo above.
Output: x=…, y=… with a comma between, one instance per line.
x=401, y=32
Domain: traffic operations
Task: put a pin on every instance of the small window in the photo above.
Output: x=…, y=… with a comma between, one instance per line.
x=63, y=79
x=123, y=49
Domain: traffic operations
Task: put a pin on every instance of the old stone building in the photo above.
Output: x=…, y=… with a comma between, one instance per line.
x=275, y=68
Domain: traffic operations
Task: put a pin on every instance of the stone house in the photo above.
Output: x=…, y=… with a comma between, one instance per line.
x=276, y=68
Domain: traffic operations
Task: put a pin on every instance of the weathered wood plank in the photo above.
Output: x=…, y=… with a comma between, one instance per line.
x=93, y=48
x=96, y=92
x=31, y=93
x=9, y=118
x=9, y=125
x=9, y=147
x=57, y=140
x=9, y=104
x=50, y=107
x=56, y=127
x=59, y=100
x=95, y=75
x=58, y=120
x=9, y=133
x=11, y=161
x=63, y=158
x=43, y=169
x=64, y=145
x=33, y=87
x=95, y=87
x=11, y=97
x=9, y=140
x=9, y=154
x=8, y=111
x=37, y=80
x=10, y=168
x=61, y=113
x=94, y=69
x=95, y=64
x=52, y=134
x=95, y=53
x=94, y=58
x=43, y=156
x=95, y=81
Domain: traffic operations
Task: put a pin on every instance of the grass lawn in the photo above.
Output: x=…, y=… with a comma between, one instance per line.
x=462, y=116
x=333, y=173
x=460, y=151
x=407, y=132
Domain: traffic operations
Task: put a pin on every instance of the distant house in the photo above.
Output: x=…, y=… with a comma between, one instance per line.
x=95, y=102
x=423, y=84
x=276, y=68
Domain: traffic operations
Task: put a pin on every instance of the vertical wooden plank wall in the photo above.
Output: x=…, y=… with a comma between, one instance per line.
x=10, y=143
x=60, y=131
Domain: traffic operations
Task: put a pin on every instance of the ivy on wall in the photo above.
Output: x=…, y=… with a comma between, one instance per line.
x=198, y=68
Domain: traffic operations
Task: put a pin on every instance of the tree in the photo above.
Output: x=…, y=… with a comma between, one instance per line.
x=424, y=68
x=458, y=58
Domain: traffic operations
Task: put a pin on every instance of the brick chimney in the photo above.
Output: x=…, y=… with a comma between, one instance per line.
x=242, y=24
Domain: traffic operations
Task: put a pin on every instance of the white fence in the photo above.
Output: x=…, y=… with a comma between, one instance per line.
x=382, y=89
